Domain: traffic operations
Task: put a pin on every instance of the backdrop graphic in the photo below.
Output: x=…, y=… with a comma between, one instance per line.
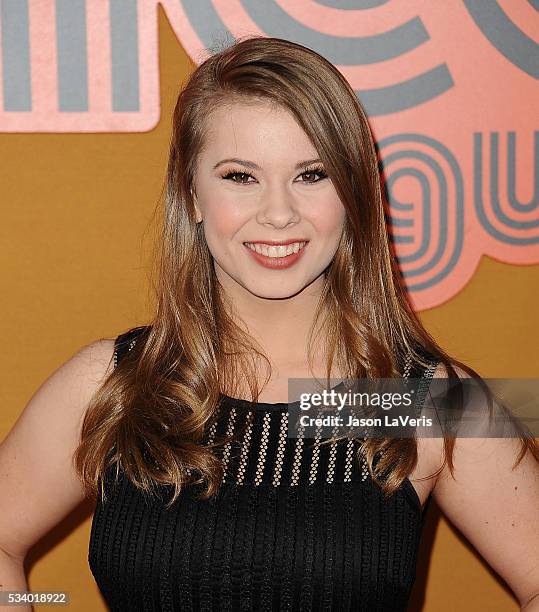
x=455, y=117
x=450, y=88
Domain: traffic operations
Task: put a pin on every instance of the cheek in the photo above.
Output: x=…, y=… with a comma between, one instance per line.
x=327, y=214
x=223, y=218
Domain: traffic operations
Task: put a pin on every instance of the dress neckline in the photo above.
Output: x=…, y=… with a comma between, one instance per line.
x=273, y=406
x=234, y=401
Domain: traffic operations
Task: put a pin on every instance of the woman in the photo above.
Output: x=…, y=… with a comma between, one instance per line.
x=275, y=264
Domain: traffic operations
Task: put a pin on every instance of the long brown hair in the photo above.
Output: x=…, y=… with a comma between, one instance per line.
x=149, y=415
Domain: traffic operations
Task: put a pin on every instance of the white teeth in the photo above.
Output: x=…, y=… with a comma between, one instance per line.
x=281, y=250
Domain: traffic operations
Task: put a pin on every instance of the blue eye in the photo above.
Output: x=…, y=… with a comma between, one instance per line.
x=310, y=171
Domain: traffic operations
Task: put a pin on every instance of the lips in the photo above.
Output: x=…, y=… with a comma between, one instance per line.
x=274, y=250
x=276, y=256
x=277, y=242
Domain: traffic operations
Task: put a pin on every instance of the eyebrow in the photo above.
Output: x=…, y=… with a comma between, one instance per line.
x=250, y=164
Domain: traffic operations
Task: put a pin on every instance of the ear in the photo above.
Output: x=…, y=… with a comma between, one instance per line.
x=198, y=213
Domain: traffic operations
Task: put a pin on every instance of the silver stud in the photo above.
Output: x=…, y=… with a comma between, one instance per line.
x=407, y=366
x=211, y=432
x=364, y=470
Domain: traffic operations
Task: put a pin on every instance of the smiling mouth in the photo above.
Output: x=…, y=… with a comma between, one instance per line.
x=276, y=251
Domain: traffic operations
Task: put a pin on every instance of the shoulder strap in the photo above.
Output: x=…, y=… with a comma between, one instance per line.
x=424, y=373
x=416, y=370
x=125, y=342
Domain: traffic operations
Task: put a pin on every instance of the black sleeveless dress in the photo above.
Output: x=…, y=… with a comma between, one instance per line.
x=295, y=526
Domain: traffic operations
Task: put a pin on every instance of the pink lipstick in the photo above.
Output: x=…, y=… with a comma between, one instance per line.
x=276, y=259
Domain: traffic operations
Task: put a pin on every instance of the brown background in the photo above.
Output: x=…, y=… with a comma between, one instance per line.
x=76, y=241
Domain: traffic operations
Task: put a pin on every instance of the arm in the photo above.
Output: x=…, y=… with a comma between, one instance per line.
x=496, y=508
x=12, y=577
x=37, y=478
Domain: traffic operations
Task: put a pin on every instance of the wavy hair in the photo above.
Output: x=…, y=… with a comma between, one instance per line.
x=149, y=415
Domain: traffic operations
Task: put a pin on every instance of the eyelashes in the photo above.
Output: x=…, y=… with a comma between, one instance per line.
x=232, y=175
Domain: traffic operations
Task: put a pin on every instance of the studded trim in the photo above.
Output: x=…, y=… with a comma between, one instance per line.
x=280, y=450
x=263, y=448
x=332, y=457
x=244, y=458
x=226, y=451
x=316, y=452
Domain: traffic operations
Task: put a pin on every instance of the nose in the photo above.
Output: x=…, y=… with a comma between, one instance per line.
x=277, y=207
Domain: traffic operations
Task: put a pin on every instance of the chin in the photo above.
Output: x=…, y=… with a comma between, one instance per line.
x=275, y=293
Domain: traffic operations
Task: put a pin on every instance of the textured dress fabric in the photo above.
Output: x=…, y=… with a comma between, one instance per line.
x=295, y=525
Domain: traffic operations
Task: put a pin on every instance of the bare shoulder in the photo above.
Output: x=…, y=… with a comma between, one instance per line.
x=37, y=478
x=90, y=365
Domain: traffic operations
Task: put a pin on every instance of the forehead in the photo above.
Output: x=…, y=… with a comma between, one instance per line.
x=256, y=127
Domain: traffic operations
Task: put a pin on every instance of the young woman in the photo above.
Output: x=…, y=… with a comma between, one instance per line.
x=275, y=264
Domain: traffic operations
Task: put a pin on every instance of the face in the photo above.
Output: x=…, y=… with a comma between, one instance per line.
x=272, y=219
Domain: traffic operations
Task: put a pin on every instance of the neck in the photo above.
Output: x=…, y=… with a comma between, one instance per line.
x=280, y=326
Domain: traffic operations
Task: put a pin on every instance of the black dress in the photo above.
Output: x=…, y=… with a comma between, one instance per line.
x=295, y=526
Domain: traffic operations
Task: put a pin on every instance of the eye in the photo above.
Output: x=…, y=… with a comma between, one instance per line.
x=237, y=176
x=313, y=175
x=233, y=175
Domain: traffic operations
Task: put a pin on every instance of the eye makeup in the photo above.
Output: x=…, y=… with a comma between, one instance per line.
x=314, y=170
